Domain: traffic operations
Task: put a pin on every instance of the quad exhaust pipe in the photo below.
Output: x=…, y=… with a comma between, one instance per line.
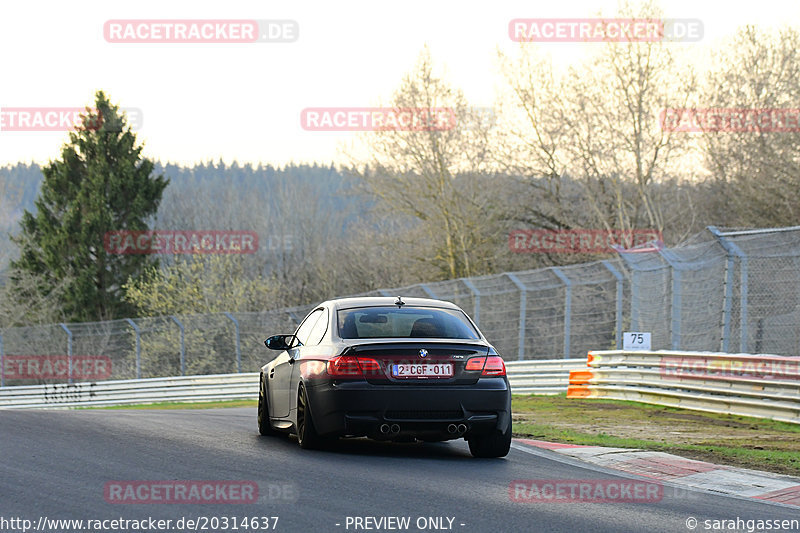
x=386, y=429
x=394, y=429
x=460, y=429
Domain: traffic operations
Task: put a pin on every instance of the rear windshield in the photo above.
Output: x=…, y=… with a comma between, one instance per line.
x=404, y=322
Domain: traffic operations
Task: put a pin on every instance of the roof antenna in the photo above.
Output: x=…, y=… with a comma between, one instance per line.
x=399, y=302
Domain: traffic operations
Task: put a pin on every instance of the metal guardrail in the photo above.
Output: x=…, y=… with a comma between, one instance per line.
x=132, y=391
x=763, y=386
x=548, y=376
x=526, y=377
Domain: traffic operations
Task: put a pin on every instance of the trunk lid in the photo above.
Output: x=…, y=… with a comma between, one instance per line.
x=419, y=362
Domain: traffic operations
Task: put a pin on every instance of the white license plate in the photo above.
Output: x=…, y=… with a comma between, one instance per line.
x=436, y=370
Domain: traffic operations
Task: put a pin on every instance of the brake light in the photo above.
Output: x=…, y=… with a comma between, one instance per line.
x=349, y=366
x=476, y=363
x=344, y=366
x=369, y=366
x=494, y=366
x=489, y=366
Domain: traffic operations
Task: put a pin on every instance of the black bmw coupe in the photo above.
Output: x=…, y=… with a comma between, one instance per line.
x=389, y=369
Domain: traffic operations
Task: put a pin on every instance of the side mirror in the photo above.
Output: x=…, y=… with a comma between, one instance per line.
x=279, y=342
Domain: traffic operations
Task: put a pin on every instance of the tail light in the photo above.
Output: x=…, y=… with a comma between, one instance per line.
x=349, y=366
x=476, y=363
x=494, y=366
x=489, y=366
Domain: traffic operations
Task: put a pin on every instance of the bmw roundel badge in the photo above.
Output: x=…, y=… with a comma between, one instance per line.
x=423, y=353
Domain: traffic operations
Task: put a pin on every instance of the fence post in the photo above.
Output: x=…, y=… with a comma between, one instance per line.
x=428, y=291
x=69, y=352
x=477, y=295
x=634, y=299
x=567, y=308
x=294, y=317
x=635, y=282
x=675, y=315
x=620, y=280
x=733, y=250
x=238, y=346
x=2, y=363
x=523, y=305
x=727, y=306
x=138, y=348
x=183, y=345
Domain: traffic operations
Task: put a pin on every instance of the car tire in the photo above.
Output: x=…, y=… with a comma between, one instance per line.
x=307, y=436
x=494, y=444
x=264, y=427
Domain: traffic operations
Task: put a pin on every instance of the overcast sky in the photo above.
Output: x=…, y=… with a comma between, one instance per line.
x=243, y=101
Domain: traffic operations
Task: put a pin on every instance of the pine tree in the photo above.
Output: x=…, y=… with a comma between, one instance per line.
x=100, y=184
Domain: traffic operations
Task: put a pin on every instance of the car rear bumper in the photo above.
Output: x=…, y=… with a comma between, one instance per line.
x=426, y=412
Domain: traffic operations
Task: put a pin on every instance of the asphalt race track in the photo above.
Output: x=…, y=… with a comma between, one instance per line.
x=56, y=464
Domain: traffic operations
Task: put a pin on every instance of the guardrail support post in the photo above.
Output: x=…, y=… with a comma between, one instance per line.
x=238, y=346
x=69, y=352
x=476, y=316
x=567, y=308
x=183, y=345
x=138, y=347
x=523, y=305
x=733, y=250
x=620, y=287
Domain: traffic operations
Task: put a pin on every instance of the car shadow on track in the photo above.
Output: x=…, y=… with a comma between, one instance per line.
x=366, y=447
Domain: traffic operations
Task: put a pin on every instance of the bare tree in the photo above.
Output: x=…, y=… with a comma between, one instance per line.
x=756, y=173
x=436, y=176
x=28, y=299
x=532, y=142
x=598, y=123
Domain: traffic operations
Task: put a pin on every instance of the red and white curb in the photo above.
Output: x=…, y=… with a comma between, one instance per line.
x=698, y=474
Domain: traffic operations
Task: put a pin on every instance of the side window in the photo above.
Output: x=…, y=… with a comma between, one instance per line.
x=318, y=331
x=307, y=325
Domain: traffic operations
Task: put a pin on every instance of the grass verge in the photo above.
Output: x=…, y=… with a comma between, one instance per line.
x=723, y=439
